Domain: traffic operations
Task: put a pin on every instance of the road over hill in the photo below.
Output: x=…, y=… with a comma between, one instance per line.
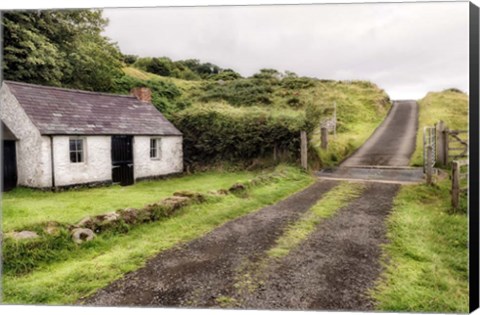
x=332, y=269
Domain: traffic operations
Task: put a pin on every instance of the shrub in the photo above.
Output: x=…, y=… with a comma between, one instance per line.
x=239, y=92
x=228, y=134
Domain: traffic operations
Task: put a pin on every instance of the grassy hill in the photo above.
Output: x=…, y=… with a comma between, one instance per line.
x=449, y=105
x=361, y=105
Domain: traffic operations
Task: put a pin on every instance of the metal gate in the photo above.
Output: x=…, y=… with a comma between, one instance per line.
x=9, y=165
x=122, y=160
x=429, y=139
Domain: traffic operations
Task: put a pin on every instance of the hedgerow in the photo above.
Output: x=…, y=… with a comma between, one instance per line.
x=222, y=133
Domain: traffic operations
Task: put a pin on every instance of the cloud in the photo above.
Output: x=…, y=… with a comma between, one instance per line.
x=406, y=48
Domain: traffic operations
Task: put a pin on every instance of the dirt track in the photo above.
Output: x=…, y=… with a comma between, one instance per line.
x=332, y=269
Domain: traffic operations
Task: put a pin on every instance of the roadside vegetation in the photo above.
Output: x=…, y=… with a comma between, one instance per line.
x=109, y=256
x=426, y=259
x=450, y=105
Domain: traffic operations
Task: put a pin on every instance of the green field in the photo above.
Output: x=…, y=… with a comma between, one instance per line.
x=22, y=206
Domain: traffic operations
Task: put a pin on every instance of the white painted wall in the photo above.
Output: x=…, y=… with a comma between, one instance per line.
x=33, y=150
x=170, y=161
x=97, y=164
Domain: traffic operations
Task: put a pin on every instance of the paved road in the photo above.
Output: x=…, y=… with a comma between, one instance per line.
x=393, y=142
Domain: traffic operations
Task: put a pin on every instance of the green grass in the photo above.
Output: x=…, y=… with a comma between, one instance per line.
x=22, y=207
x=333, y=200
x=183, y=85
x=449, y=106
x=96, y=264
x=427, y=257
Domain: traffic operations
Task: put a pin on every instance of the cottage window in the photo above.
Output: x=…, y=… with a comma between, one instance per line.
x=76, y=151
x=154, y=148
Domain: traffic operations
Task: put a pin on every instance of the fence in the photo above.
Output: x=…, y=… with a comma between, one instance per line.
x=452, y=144
x=458, y=186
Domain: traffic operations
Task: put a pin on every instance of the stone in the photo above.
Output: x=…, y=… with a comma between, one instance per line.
x=52, y=228
x=237, y=187
x=129, y=215
x=23, y=235
x=86, y=222
x=80, y=235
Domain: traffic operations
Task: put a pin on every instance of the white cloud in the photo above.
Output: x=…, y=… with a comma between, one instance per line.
x=406, y=48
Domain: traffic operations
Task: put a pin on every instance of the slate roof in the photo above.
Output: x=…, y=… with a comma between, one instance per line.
x=64, y=111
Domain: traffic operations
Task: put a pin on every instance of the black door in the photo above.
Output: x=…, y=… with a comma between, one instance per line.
x=122, y=160
x=9, y=165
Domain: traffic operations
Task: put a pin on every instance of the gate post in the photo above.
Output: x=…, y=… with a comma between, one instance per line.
x=324, y=138
x=303, y=149
x=429, y=170
x=445, y=146
x=439, y=128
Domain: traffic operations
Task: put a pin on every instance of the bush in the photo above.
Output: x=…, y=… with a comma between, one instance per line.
x=239, y=92
x=164, y=94
x=293, y=83
x=228, y=134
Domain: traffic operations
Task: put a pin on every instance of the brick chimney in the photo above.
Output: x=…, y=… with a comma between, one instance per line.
x=143, y=94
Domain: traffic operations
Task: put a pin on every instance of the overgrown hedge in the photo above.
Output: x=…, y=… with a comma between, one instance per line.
x=222, y=133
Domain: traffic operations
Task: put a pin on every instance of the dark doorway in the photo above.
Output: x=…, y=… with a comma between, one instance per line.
x=122, y=160
x=9, y=165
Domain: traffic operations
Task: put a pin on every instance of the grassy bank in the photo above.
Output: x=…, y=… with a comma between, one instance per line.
x=22, y=206
x=109, y=257
x=361, y=107
x=427, y=269
x=450, y=106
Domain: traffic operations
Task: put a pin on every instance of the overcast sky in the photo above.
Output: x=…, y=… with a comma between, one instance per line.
x=408, y=49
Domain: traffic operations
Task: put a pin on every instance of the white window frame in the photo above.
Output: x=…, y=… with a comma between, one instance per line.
x=83, y=151
x=158, y=148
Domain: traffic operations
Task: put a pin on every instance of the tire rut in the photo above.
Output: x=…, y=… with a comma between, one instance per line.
x=334, y=268
x=199, y=272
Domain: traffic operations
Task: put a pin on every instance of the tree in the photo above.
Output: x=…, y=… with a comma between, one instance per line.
x=61, y=47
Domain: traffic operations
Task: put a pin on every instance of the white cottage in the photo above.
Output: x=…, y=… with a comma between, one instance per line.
x=55, y=137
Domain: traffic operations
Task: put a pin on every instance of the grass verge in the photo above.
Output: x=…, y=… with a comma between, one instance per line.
x=450, y=106
x=427, y=269
x=25, y=207
x=109, y=257
x=333, y=200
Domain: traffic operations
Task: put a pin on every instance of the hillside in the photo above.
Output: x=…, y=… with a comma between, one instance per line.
x=361, y=105
x=449, y=105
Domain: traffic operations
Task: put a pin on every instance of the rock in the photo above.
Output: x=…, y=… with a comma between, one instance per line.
x=108, y=217
x=22, y=235
x=86, y=222
x=52, y=228
x=129, y=215
x=236, y=187
x=198, y=197
x=80, y=235
x=175, y=202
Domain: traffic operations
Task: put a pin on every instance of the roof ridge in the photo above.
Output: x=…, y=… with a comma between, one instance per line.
x=68, y=90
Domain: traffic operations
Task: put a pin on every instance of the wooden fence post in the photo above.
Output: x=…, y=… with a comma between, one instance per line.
x=324, y=138
x=445, y=146
x=439, y=128
x=455, y=183
x=303, y=149
x=429, y=169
